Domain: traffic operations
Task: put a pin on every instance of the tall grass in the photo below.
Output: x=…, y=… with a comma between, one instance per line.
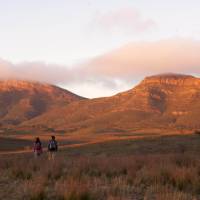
x=150, y=177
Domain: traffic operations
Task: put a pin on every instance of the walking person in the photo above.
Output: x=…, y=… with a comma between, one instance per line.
x=52, y=147
x=37, y=148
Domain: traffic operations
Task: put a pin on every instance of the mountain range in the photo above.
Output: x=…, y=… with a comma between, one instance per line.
x=22, y=100
x=166, y=101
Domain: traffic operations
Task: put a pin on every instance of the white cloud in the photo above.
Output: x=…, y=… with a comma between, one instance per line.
x=35, y=71
x=144, y=58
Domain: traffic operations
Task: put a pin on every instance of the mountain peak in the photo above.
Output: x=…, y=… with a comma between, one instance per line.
x=20, y=84
x=171, y=75
x=33, y=87
x=172, y=79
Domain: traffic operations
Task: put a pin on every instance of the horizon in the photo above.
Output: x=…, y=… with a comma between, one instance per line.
x=98, y=49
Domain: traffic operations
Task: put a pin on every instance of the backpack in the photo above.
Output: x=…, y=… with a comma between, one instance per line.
x=52, y=145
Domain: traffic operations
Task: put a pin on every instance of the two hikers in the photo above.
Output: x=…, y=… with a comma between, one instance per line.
x=52, y=148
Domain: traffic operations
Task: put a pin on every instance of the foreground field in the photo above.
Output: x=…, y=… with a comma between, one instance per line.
x=22, y=141
x=165, y=168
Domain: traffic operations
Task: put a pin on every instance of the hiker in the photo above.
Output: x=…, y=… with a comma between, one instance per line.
x=52, y=147
x=37, y=148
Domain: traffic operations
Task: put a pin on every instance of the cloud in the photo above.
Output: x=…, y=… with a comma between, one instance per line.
x=144, y=58
x=124, y=20
x=35, y=71
x=77, y=79
x=114, y=71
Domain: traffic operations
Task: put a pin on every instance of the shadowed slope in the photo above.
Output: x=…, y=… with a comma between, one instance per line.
x=22, y=100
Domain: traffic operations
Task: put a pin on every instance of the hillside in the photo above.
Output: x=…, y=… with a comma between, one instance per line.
x=161, y=101
x=22, y=100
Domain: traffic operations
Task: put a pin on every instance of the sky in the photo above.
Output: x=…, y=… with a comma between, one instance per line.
x=97, y=47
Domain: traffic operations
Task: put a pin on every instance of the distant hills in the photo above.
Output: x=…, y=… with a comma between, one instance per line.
x=166, y=101
x=22, y=100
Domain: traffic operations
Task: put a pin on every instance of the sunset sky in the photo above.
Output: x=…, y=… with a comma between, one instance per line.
x=98, y=47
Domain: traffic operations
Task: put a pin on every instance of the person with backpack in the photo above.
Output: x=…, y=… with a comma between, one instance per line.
x=37, y=148
x=52, y=147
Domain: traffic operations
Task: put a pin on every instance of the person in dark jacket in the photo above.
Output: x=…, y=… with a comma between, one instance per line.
x=52, y=147
x=37, y=147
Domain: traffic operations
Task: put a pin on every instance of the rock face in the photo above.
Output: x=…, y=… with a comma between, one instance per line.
x=161, y=101
x=22, y=100
x=172, y=79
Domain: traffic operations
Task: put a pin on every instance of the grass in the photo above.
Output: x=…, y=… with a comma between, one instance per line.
x=10, y=144
x=166, y=168
x=17, y=144
x=10, y=131
x=152, y=145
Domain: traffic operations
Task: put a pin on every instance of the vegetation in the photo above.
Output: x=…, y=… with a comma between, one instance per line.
x=152, y=169
x=10, y=144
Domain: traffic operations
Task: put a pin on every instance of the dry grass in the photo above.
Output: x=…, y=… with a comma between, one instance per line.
x=98, y=173
x=129, y=177
x=13, y=144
